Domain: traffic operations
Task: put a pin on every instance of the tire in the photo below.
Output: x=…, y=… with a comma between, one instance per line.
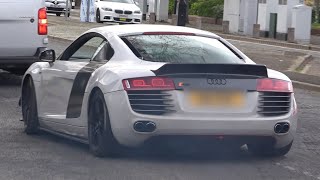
x=101, y=140
x=58, y=14
x=29, y=108
x=268, y=151
x=98, y=18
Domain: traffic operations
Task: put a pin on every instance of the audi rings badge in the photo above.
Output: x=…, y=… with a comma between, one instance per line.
x=218, y=82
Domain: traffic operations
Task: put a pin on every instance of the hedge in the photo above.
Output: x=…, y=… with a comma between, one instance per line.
x=207, y=8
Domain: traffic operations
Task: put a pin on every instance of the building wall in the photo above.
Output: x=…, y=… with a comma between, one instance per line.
x=250, y=15
x=283, y=17
x=273, y=6
x=231, y=14
x=162, y=10
x=243, y=14
x=242, y=18
x=291, y=4
x=262, y=18
x=284, y=14
x=264, y=13
x=301, y=21
x=152, y=6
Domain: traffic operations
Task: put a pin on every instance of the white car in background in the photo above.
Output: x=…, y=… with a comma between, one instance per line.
x=120, y=11
x=58, y=7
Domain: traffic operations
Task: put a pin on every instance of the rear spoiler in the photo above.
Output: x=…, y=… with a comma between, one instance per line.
x=231, y=69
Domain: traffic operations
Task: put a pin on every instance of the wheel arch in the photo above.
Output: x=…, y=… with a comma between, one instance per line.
x=26, y=78
x=109, y=143
x=33, y=74
x=93, y=91
x=30, y=117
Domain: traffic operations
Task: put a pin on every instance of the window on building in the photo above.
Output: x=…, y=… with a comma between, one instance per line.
x=263, y=1
x=283, y=2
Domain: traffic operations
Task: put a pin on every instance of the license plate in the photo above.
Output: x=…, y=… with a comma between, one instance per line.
x=123, y=19
x=216, y=99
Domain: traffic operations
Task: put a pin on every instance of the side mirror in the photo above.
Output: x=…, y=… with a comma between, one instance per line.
x=48, y=56
x=136, y=2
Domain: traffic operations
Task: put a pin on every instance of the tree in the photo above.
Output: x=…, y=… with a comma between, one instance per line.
x=208, y=8
x=309, y=2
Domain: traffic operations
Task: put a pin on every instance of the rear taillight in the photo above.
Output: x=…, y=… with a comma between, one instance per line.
x=42, y=22
x=274, y=85
x=149, y=83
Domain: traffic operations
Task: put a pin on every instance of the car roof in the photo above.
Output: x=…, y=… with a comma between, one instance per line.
x=136, y=29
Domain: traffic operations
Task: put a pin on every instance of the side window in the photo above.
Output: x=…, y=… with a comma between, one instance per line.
x=104, y=52
x=87, y=50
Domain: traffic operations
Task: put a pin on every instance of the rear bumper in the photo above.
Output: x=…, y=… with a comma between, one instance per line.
x=123, y=118
x=14, y=61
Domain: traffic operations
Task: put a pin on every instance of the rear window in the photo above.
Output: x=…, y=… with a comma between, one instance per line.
x=181, y=49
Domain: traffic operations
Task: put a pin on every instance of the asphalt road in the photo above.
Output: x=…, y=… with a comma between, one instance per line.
x=46, y=156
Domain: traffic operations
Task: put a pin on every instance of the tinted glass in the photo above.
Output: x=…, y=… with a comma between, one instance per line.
x=88, y=49
x=181, y=49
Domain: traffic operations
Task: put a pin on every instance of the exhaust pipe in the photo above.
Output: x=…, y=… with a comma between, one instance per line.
x=278, y=128
x=285, y=128
x=139, y=126
x=281, y=128
x=150, y=126
x=144, y=126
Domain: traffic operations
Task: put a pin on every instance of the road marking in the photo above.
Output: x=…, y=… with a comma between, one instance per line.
x=290, y=168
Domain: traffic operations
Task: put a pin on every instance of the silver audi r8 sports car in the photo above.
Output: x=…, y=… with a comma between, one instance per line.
x=134, y=84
